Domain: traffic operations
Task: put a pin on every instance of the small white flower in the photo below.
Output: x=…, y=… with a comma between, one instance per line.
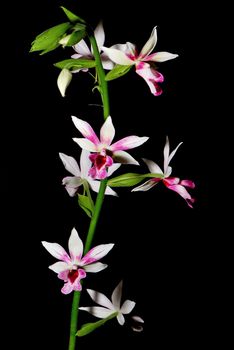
x=109, y=307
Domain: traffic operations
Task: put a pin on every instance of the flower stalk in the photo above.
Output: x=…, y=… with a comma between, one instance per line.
x=100, y=196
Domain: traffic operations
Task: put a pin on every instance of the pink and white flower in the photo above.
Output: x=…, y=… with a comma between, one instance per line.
x=127, y=55
x=173, y=183
x=81, y=174
x=108, y=307
x=83, y=51
x=72, y=268
x=105, y=153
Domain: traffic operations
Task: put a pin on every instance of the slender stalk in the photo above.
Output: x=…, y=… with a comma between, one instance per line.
x=100, y=196
x=101, y=77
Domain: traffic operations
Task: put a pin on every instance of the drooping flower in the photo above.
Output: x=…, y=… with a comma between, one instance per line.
x=83, y=51
x=127, y=55
x=81, y=174
x=105, y=153
x=173, y=183
x=72, y=268
x=108, y=307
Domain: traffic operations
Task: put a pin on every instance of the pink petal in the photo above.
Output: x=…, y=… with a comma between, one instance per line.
x=67, y=288
x=86, y=144
x=96, y=253
x=128, y=143
x=188, y=183
x=86, y=130
x=57, y=251
x=107, y=132
x=183, y=193
x=98, y=174
x=150, y=44
x=151, y=76
x=171, y=181
x=160, y=56
x=118, y=56
x=75, y=245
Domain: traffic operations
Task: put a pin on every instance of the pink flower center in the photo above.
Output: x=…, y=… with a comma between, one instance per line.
x=100, y=161
x=72, y=276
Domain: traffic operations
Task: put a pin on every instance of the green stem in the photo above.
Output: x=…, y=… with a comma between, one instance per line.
x=101, y=77
x=100, y=196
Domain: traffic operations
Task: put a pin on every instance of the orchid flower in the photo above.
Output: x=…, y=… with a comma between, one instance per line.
x=81, y=176
x=83, y=51
x=72, y=268
x=105, y=152
x=127, y=55
x=108, y=307
x=173, y=183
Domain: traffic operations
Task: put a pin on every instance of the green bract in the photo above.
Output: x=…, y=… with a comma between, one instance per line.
x=71, y=16
x=130, y=179
x=49, y=39
x=74, y=63
x=86, y=204
x=90, y=327
x=117, y=72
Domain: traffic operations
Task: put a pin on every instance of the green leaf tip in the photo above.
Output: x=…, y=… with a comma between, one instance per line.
x=71, y=16
x=117, y=72
x=90, y=327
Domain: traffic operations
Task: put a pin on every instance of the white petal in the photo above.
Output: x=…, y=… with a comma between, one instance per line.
x=64, y=80
x=117, y=295
x=110, y=192
x=106, y=62
x=128, y=142
x=166, y=152
x=59, y=266
x=71, y=191
x=113, y=168
x=85, y=163
x=70, y=164
x=120, y=319
x=153, y=167
x=100, y=299
x=138, y=319
x=99, y=35
x=72, y=182
x=96, y=267
x=127, y=306
x=162, y=56
x=173, y=152
x=118, y=56
x=168, y=172
x=86, y=130
x=97, y=311
x=145, y=186
x=96, y=253
x=150, y=44
x=75, y=245
x=124, y=158
x=56, y=250
x=82, y=48
x=86, y=144
x=107, y=132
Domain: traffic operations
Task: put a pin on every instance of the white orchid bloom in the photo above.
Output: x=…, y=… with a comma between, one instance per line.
x=108, y=307
x=72, y=268
x=83, y=51
x=81, y=174
x=127, y=55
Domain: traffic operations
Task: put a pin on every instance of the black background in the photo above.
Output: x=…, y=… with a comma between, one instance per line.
x=164, y=250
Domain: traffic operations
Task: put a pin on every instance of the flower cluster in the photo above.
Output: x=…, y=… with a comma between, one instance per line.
x=101, y=156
